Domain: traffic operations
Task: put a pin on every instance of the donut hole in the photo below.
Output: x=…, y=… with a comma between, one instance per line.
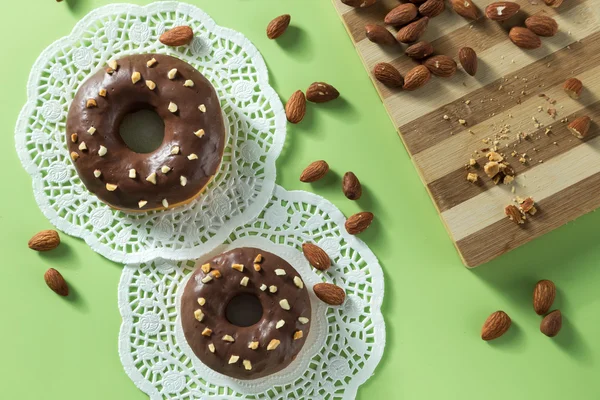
x=244, y=310
x=143, y=131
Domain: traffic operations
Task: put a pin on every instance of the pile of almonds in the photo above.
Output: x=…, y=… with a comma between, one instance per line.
x=45, y=241
x=544, y=294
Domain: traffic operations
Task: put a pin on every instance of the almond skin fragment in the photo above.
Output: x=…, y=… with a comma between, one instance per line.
x=359, y=222
x=316, y=256
x=543, y=296
x=495, y=326
x=315, y=171
x=178, y=36
x=44, y=240
x=295, y=108
x=56, y=282
x=278, y=26
x=330, y=294
x=551, y=324
x=351, y=186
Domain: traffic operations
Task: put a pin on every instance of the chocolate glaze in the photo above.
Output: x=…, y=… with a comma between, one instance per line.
x=219, y=292
x=124, y=97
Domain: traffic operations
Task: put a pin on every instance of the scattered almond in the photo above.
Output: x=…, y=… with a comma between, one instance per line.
x=378, y=34
x=524, y=38
x=295, y=108
x=465, y=8
x=441, y=65
x=551, y=324
x=432, y=8
x=495, y=326
x=543, y=296
x=316, y=256
x=351, y=186
x=542, y=25
x=419, y=50
x=416, y=78
x=315, y=171
x=580, y=126
x=501, y=10
x=468, y=60
x=44, y=240
x=56, y=282
x=359, y=222
x=388, y=75
x=329, y=293
x=413, y=31
x=401, y=15
x=321, y=92
x=178, y=36
x=573, y=87
x=278, y=26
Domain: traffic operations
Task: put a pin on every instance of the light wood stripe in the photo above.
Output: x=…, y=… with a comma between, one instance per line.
x=553, y=212
x=439, y=92
x=457, y=149
x=454, y=189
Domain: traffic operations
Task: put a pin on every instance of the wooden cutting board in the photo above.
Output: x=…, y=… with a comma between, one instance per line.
x=506, y=105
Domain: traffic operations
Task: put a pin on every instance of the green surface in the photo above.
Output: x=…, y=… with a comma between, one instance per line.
x=56, y=348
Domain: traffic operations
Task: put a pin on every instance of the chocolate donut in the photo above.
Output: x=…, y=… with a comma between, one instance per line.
x=254, y=351
x=189, y=155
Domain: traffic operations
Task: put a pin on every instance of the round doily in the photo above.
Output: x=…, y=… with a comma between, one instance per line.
x=253, y=113
x=345, y=343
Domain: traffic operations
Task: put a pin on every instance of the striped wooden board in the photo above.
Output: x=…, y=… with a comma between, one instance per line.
x=508, y=99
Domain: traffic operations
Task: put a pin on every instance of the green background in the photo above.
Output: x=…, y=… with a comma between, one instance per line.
x=55, y=348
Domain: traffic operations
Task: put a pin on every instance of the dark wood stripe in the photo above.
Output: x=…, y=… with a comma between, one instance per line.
x=431, y=128
x=357, y=18
x=454, y=189
x=554, y=211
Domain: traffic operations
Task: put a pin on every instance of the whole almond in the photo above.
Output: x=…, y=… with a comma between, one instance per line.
x=351, y=186
x=441, y=65
x=358, y=222
x=573, y=87
x=330, y=294
x=542, y=25
x=580, y=126
x=543, y=296
x=401, y=15
x=432, y=8
x=44, y=240
x=295, y=108
x=501, y=10
x=524, y=38
x=495, y=326
x=413, y=31
x=378, y=34
x=359, y=3
x=56, y=282
x=388, y=75
x=416, y=78
x=553, y=3
x=465, y=8
x=468, y=60
x=419, y=50
x=314, y=171
x=321, y=92
x=551, y=324
x=278, y=26
x=316, y=256
x=178, y=36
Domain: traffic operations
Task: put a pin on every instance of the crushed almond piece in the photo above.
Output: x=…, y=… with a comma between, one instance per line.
x=253, y=345
x=244, y=281
x=303, y=320
x=172, y=107
x=150, y=84
x=298, y=282
x=472, y=162
x=205, y=268
x=228, y=338
x=238, y=267
x=216, y=273
x=263, y=287
x=183, y=180
x=247, y=365
x=493, y=156
x=508, y=179
x=74, y=156
x=202, y=108
x=192, y=156
x=211, y=347
x=473, y=178
x=91, y=103
x=135, y=77
x=273, y=289
x=279, y=272
x=152, y=178
x=151, y=62
x=74, y=137
x=175, y=150
x=97, y=173
x=172, y=73
x=207, y=279
x=199, y=133
x=257, y=267
x=279, y=324
x=201, y=301
x=462, y=122
x=527, y=205
x=165, y=203
x=199, y=315
x=298, y=335
x=514, y=214
x=285, y=304
x=132, y=173
x=111, y=187
x=113, y=65
x=102, y=92
x=207, y=332
x=491, y=169
x=258, y=259
x=188, y=83
x=233, y=359
x=142, y=203
x=273, y=344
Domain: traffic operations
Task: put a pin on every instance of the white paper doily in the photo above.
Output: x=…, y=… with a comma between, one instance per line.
x=345, y=343
x=252, y=109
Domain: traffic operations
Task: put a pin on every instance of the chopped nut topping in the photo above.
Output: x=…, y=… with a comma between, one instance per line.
x=493, y=156
x=199, y=315
x=102, y=151
x=111, y=187
x=238, y=267
x=172, y=73
x=135, y=77
x=216, y=273
x=172, y=107
x=132, y=173
x=273, y=344
x=151, y=62
x=508, y=179
x=257, y=267
x=247, y=365
x=74, y=156
x=192, y=156
x=142, y=203
x=472, y=162
x=82, y=146
x=205, y=268
x=175, y=150
x=303, y=320
x=102, y=92
x=201, y=301
x=279, y=272
x=91, y=103
x=91, y=131
x=253, y=345
x=273, y=289
x=183, y=180
x=211, y=347
x=74, y=137
x=263, y=287
x=188, y=83
x=279, y=324
x=258, y=259
x=199, y=133
x=228, y=338
x=207, y=332
x=152, y=178
x=207, y=279
x=164, y=169
x=471, y=177
x=491, y=169
x=233, y=359
x=202, y=108
x=298, y=282
x=165, y=203
x=527, y=205
x=298, y=335
x=285, y=304
x=513, y=213
x=97, y=173
x=150, y=85
x=244, y=281
x=113, y=65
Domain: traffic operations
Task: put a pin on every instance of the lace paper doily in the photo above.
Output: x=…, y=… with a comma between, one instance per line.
x=345, y=343
x=252, y=110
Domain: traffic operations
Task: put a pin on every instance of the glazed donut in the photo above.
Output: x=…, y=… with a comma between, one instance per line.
x=193, y=143
x=253, y=351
